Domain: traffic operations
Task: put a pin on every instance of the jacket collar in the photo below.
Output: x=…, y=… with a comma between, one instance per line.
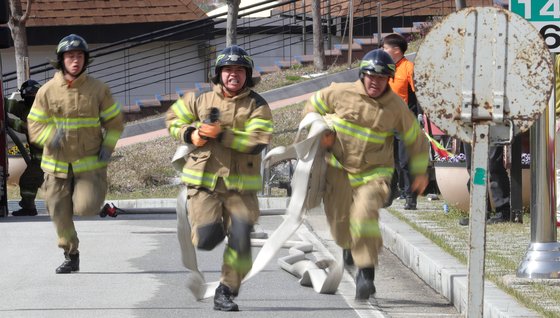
x=61, y=81
x=219, y=89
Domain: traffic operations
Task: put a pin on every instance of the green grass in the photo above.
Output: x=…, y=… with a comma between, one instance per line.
x=506, y=244
x=293, y=78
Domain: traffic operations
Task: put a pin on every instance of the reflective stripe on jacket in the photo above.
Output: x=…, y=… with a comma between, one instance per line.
x=87, y=114
x=246, y=122
x=365, y=129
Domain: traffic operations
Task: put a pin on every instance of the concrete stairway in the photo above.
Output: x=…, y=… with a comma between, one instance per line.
x=337, y=56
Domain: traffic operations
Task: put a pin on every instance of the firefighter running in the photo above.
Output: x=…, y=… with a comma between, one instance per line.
x=77, y=122
x=365, y=116
x=223, y=172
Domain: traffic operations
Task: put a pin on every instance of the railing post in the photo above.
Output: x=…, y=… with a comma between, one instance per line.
x=350, y=31
x=379, y=24
x=329, y=36
x=304, y=29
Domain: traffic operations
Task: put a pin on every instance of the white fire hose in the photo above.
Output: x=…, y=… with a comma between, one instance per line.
x=308, y=187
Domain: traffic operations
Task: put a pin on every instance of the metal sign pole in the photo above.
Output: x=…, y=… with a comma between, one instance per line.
x=541, y=257
x=477, y=224
x=461, y=84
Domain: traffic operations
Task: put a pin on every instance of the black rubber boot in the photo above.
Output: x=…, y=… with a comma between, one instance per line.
x=25, y=212
x=223, y=299
x=347, y=256
x=364, y=283
x=410, y=203
x=70, y=264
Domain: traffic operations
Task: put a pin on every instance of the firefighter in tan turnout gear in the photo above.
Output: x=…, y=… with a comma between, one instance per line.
x=229, y=126
x=365, y=116
x=77, y=122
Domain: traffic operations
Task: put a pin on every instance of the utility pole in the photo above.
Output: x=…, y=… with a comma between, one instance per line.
x=304, y=28
x=318, y=43
x=460, y=4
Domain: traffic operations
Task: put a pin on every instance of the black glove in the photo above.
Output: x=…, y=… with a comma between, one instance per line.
x=187, y=135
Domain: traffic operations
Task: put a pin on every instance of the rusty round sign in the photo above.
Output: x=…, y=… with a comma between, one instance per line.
x=483, y=65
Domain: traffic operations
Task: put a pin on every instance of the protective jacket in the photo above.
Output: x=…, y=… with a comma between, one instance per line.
x=246, y=122
x=85, y=112
x=365, y=129
x=20, y=111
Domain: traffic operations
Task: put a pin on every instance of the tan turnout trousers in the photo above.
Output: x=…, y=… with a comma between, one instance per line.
x=353, y=215
x=218, y=206
x=82, y=194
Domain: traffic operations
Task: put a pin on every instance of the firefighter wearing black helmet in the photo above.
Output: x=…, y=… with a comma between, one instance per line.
x=77, y=122
x=32, y=177
x=365, y=115
x=223, y=172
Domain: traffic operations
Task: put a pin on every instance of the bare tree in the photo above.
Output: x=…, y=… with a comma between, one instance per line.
x=318, y=43
x=231, y=29
x=17, y=22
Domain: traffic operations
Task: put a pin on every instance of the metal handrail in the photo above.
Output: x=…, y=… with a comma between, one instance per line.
x=178, y=60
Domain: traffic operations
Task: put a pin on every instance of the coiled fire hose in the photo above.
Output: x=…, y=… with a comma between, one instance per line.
x=308, y=187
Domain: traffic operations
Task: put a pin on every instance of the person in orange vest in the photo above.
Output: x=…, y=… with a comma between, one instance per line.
x=403, y=85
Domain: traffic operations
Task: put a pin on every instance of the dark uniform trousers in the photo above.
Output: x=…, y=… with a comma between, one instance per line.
x=499, y=178
x=29, y=182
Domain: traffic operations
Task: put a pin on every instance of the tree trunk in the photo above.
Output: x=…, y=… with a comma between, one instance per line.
x=19, y=35
x=231, y=29
x=318, y=45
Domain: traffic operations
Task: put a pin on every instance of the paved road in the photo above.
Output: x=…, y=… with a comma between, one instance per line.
x=130, y=267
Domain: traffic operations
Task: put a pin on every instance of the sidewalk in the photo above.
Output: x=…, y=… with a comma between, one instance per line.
x=442, y=272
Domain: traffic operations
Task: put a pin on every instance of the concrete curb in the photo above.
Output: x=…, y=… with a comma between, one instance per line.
x=443, y=272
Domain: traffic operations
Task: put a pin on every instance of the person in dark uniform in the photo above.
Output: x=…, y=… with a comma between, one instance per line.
x=499, y=189
x=32, y=177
